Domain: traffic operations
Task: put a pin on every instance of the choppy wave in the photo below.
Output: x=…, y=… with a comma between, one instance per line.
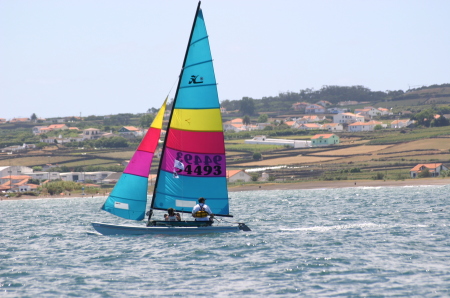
x=352, y=242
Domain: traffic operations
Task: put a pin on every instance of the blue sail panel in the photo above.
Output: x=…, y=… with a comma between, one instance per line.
x=128, y=199
x=189, y=189
x=198, y=88
x=189, y=98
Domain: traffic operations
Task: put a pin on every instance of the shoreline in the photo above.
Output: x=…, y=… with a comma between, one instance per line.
x=291, y=186
x=342, y=184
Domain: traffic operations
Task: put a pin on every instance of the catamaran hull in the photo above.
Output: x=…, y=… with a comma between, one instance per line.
x=109, y=229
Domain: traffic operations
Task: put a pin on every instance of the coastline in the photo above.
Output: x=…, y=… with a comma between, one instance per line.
x=293, y=185
x=342, y=184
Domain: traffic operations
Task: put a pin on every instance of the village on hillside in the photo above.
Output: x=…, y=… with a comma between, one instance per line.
x=315, y=125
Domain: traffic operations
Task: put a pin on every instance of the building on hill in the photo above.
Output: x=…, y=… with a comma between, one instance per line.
x=364, y=126
x=347, y=118
x=333, y=127
x=314, y=109
x=2, y=120
x=336, y=110
x=91, y=134
x=310, y=119
x=19, y=120
x=400, y=123
x=58, y=127
x=263, y=140
x=324, y=140
x=238, y=176
x=324, y=103
x=127, y=131
x=434, y=168
x=307, y=126
x=299, y=106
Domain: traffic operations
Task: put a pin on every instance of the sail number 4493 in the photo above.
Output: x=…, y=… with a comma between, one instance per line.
x=204, y=164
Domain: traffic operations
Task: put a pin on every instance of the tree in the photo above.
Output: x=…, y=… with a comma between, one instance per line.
x=425, y=173
x=378, y=127
x=263, y=118
x=247, y=106
x=33, y=117
x=246, y=120
x=146, y=120
x=257, y=156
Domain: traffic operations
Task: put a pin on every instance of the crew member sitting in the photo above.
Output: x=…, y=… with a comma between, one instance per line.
x=202, y=212
x=172, y=216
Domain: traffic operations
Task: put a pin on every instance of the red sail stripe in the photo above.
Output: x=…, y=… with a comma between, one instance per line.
x=196, y=141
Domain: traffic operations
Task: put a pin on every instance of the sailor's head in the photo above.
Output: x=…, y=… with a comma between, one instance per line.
x=201, y=200
x=170, y=211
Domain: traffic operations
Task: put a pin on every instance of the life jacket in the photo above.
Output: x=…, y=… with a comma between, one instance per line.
x=200, y=213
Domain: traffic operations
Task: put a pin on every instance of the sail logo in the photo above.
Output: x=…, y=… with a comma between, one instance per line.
x=194, y=80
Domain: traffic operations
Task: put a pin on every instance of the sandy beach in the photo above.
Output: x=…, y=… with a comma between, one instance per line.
x=294, y=185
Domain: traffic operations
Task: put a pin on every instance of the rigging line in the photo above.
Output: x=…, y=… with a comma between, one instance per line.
x=198, y=63
x=200, y=39
x=172, y=87
x=200, y=85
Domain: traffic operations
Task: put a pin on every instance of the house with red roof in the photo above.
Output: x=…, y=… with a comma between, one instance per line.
x=333, y=126
x=315, y=109
x=434, y=168
x=238, y=175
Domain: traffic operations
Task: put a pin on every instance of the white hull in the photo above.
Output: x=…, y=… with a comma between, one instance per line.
x=109, y=229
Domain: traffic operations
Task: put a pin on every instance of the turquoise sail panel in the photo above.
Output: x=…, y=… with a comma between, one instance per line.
x=198, y=88
x=128, y=198
x=200, y=175
x=184, y=191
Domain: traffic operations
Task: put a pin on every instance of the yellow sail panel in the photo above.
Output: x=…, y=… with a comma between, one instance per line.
x=197, y=120
x=158, y=121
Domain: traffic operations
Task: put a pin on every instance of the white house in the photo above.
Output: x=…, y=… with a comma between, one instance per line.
x=91, y=133
x=364, y=126
x=238, y=175
x=336, y=110
x=333, y=126
x=307, y=126
x=310, y=119
x=384, y=111
x=324, y=103
x=262, y=140
x=401, y=123
x=368, y=112
x=347, y=118
x=434, y=168
x=314, y=109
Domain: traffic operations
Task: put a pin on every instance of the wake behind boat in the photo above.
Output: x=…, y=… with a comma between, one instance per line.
x=192, y=163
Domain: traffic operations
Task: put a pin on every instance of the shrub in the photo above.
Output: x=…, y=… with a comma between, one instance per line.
x=257, y=156
x=378, y=176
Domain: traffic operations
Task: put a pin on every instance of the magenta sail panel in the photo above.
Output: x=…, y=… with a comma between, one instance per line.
x=140, y=164
x=194, y=164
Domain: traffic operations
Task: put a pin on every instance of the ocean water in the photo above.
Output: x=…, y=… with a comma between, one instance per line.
x=350, y=242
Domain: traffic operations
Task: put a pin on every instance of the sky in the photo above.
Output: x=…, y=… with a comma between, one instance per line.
x=102, y=57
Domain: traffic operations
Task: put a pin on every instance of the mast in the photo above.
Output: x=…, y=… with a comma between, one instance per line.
x=171, y=112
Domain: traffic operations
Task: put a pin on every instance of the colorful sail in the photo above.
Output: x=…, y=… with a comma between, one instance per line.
x=128, y=199
x=193, y=159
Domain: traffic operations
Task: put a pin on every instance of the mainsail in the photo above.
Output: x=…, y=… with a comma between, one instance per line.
x=193, y=157
x=128, y=199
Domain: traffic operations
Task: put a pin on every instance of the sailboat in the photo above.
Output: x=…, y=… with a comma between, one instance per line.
x=192, y=163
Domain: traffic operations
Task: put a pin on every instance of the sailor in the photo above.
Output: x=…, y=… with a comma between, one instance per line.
x=172, y=216
x=202, y=212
